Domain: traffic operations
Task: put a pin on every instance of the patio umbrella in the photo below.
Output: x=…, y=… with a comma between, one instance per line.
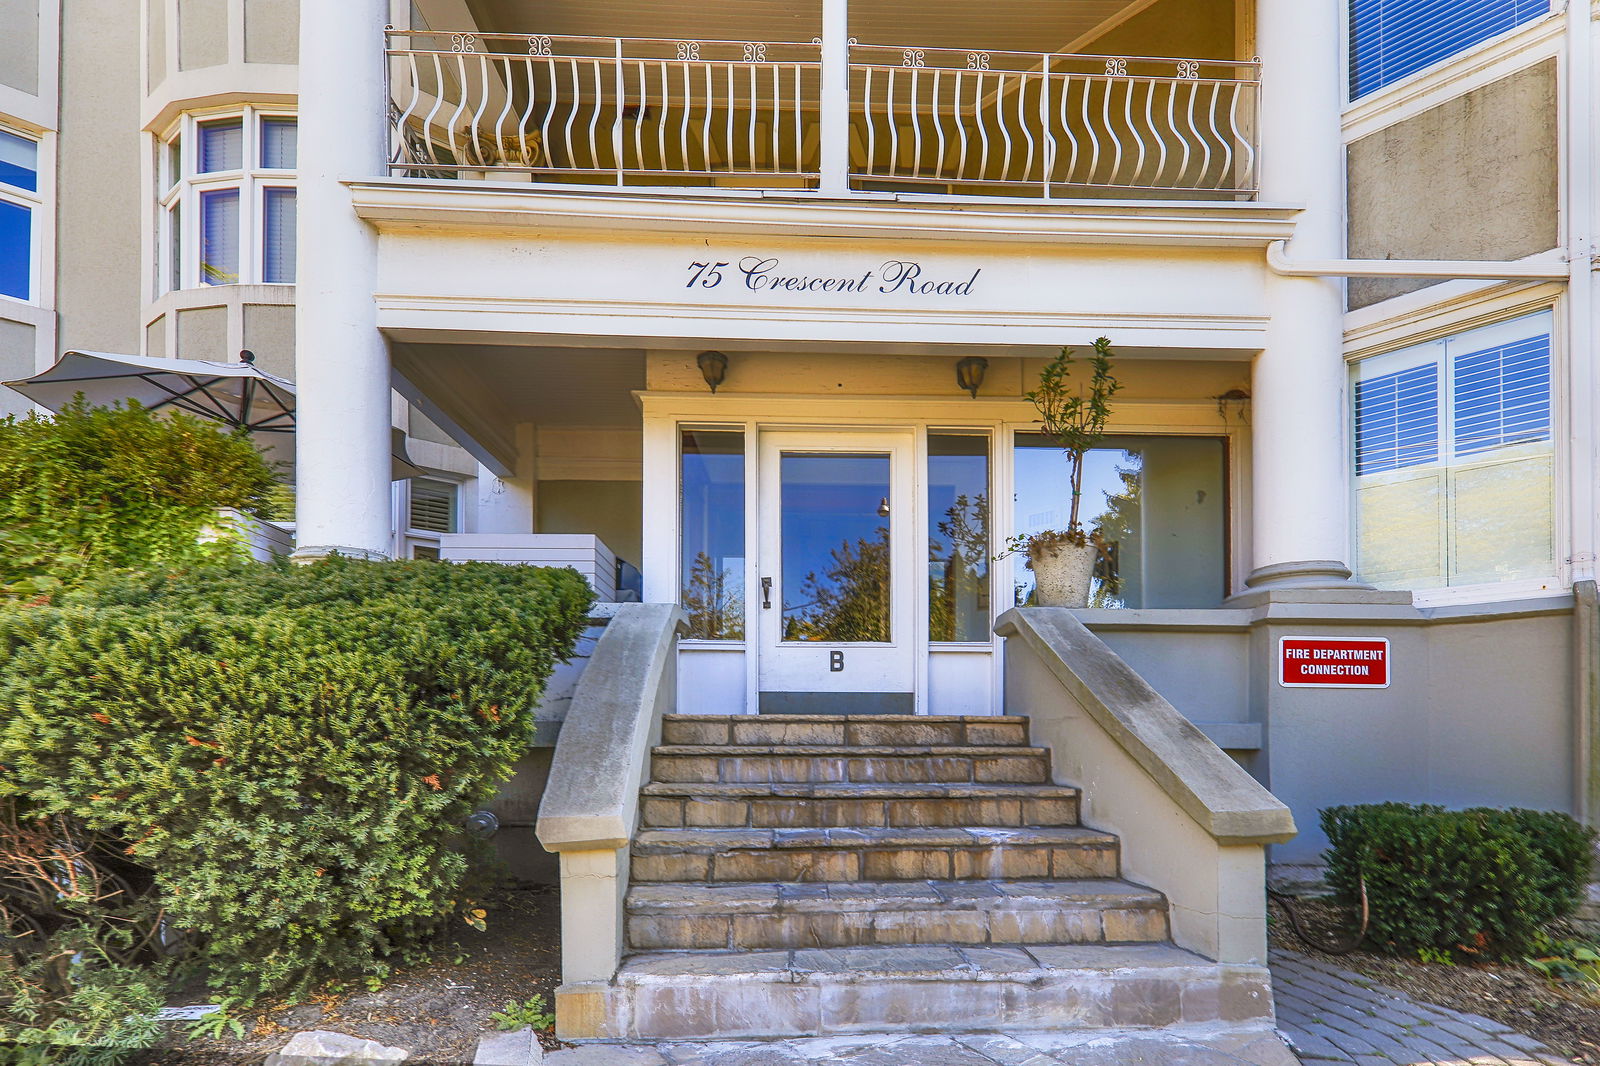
x=237, y=395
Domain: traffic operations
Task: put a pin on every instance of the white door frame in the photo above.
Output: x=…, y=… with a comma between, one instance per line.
x=826, y=666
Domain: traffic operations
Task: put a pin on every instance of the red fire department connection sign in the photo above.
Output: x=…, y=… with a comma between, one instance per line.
x=1325, y=662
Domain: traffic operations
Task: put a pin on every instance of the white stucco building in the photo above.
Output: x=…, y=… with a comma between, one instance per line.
x=734, y=305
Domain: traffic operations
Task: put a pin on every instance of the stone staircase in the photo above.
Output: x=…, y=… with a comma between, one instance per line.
x=811, y=875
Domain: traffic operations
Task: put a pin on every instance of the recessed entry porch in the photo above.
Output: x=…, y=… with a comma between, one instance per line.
x=832, y=521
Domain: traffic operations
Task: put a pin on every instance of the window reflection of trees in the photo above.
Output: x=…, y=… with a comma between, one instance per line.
x=958, y=577
x=850, y=600
x=713, y=598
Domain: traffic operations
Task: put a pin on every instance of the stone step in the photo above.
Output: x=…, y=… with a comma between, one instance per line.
x=979, y=764
x=1061, y=853
x=859, y=729
x=766, y=916
x=670, y=805
x=920, y=989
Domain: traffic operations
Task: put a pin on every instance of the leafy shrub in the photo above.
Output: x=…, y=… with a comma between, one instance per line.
x=290, y=750
x=98, y=488
x=73, y=1004
x=1479, y=881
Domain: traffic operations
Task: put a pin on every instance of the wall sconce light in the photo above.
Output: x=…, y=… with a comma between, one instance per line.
x=969, y=373
x=713, y=367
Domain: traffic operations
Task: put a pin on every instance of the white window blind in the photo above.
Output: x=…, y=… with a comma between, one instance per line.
x=278, y=144
x=19, y=161
x=1503, y=395
x=278, y=245
x=1397, y=419
x=1390, y=39
x=219, y=237
x=221, y=146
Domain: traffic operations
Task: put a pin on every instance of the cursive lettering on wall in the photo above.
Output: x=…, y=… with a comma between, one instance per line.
x=767, y=274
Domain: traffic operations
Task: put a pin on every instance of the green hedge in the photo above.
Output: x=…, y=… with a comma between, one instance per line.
x=290, y=750
x=1475, y=882
x=97, y=488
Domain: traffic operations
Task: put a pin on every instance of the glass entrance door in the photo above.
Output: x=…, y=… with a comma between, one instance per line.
x=835, y=592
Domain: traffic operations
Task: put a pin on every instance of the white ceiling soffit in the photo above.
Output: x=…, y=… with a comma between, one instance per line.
x=1018, y=25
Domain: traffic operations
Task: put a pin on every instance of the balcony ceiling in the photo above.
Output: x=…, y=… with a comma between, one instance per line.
x=1018, y=25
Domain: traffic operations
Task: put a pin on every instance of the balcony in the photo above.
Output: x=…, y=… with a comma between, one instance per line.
x=789, y=119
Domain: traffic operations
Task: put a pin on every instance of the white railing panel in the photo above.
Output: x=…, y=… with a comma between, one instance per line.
x=1051, y=125
x=746, y=114
x=603, y=109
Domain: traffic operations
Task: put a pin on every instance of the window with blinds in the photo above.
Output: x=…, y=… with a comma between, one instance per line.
x=433, y=505
x=227, y=200
x=1390, y=39
x=278, y=238
x=1455, y=460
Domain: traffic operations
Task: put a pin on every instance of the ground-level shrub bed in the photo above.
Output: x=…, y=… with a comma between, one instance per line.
x=289, y=751
x=1479, y=882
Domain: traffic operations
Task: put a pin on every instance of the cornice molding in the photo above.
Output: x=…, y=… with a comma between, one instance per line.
x=402, y=204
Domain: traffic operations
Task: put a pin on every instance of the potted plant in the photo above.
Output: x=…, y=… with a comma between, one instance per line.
x=1062, y=560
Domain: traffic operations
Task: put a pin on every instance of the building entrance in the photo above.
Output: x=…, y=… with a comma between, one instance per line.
x=834, y=593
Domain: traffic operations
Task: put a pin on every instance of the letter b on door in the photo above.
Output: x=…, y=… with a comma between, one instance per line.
x=836, y=662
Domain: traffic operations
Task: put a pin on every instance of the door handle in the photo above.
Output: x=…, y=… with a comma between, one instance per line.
x=766, y=593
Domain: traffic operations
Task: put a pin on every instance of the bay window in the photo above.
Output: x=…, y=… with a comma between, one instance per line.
x=1455, y=460
x=228, y=200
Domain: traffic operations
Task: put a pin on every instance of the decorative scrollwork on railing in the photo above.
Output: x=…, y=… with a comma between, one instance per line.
x=755, y=52
x=1116, y=67
x=1189, y=69
x=689, y=51
x=977, y=60
x=912, y=57
x=538, y=45
x=463, y=42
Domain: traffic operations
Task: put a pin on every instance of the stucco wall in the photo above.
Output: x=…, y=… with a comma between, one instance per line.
x=611, y=510
x=1480, y=710
x=202, y=33
x=1474, y=178
x=99, y=267
x=16, y=361
x=269, y=333
x=271, y=31
x=203, y=334
x=19, y=45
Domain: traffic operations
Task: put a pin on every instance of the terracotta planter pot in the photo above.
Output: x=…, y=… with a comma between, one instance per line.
x=1062, y=572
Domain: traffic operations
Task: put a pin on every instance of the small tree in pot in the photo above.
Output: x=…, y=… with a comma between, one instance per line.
x=1062, y=560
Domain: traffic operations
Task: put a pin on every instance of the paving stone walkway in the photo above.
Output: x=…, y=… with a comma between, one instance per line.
x=1331, y=1015
x=1087, y=1048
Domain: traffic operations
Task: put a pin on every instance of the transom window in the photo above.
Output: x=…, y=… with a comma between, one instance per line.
x=1455, y=459
x=228, y=200
x=19, y=213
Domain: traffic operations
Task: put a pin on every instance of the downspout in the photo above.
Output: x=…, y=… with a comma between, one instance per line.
x=1516, y=270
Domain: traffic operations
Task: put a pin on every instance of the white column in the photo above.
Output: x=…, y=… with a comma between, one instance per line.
x=1298, y=420
x=341, y=361
x=835, y=130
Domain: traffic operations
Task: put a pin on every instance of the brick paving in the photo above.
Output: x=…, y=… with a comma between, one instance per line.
x=1330, y=1015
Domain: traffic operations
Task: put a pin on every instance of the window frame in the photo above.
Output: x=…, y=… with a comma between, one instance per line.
x=182, y=192
x=36, y=202
x=1448, y=460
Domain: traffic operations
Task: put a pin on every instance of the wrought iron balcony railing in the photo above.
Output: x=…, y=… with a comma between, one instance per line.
x=737, y=114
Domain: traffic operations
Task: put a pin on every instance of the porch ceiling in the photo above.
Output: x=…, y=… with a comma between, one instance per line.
x=1020, y=25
